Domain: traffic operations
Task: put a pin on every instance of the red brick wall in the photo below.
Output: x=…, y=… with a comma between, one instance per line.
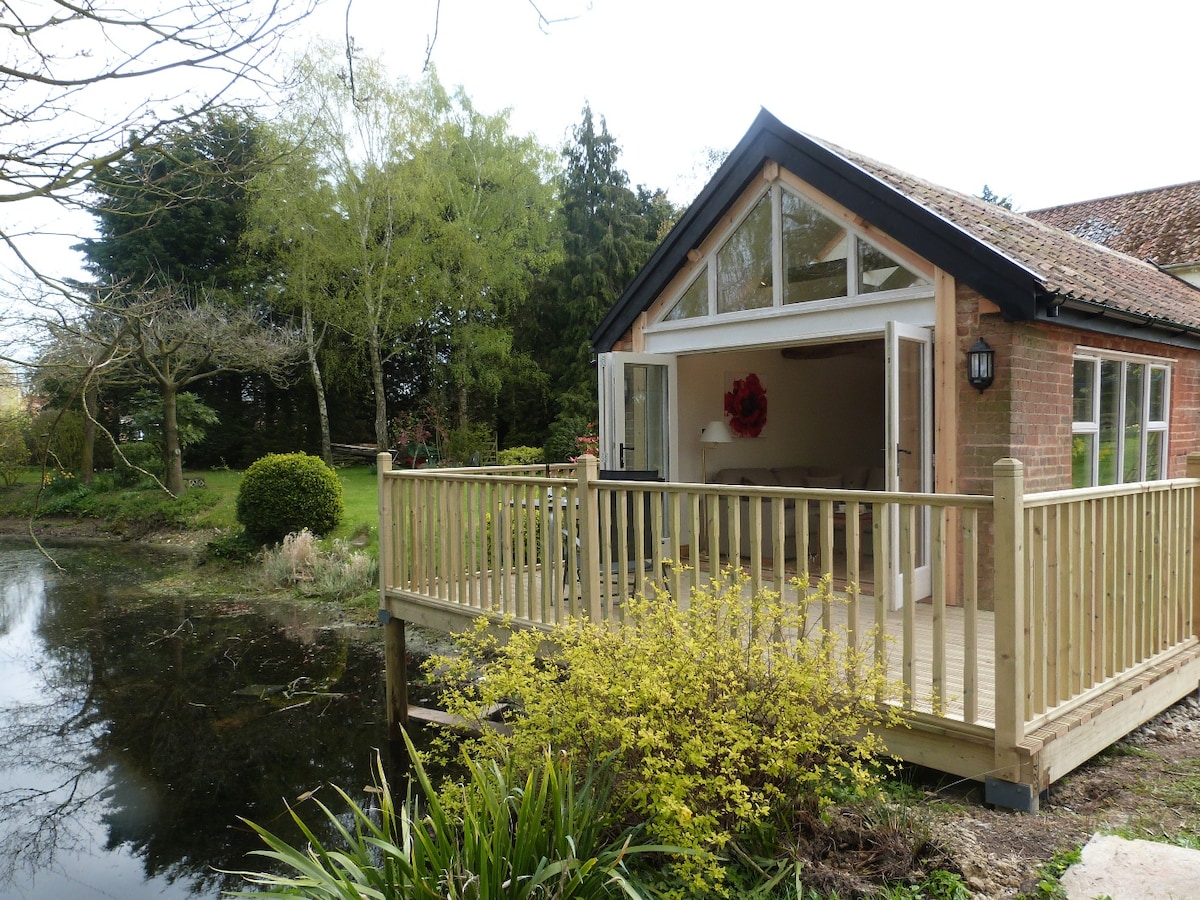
x=1026, y=413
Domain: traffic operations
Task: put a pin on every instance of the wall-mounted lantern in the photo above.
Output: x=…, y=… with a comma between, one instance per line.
x=981, y=365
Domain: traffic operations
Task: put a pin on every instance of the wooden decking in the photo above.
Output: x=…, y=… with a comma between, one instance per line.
x=1055, y=623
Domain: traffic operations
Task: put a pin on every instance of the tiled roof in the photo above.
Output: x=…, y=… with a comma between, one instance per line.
x=1074, y=268
x=1028, y=268
x=1161, y=225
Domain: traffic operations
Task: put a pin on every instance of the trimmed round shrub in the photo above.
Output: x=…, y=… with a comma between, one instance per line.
x=286, y=492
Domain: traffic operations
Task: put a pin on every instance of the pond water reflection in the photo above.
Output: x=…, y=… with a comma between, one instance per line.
x=134, y=731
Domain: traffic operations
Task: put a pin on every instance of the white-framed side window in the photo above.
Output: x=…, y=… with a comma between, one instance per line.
x=1121, y=415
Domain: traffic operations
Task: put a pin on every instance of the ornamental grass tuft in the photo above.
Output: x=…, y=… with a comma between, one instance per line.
x=508, y=833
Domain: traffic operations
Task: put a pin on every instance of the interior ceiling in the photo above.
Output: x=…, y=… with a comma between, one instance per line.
x=866, y=348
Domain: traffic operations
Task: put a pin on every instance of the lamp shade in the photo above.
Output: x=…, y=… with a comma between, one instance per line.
x=716, y=432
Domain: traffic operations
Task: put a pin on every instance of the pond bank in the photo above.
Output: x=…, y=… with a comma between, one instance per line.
x=196, y=575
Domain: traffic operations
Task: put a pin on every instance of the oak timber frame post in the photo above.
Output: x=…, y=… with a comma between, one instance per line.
x=588, y=473
x=395, y=671
x=1006, y=787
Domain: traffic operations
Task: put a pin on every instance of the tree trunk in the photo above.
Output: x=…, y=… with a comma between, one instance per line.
x=464, y=419
x=171, y=449
x=87, y=464
x=310, y=345
x=382, y=444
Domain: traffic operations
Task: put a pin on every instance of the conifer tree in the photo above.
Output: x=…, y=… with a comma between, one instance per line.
x=608, y=231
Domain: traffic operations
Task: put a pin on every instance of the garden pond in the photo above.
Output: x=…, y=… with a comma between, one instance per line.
x=137, y=729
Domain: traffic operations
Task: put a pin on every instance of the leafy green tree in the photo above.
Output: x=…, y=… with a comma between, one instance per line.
x=148, y=417
x=491, y=237
x=439, y=217
x=363, y=137
x=295, y=226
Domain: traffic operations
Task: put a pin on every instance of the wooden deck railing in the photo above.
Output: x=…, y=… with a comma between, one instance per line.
x=1108, y=585
x=1037, y=602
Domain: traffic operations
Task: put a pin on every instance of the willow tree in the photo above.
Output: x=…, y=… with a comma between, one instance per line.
x=438, y=217
x=491, y=238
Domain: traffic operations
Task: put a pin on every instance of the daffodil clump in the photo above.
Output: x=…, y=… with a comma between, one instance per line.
x=722, y=713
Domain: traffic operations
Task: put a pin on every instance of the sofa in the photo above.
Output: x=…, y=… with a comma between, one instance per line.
x=852, y=478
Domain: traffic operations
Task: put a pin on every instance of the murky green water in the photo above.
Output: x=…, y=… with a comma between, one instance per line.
x=135, y=732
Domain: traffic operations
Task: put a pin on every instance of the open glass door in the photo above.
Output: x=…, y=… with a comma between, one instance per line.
x=909, y=446
x=637, y=407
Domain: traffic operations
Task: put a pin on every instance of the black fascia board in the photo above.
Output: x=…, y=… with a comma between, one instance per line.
x=1014, y=289
x=1102, y=320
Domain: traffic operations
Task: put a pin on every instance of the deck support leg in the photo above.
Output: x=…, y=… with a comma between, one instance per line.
x=396, y=675
x=1010, y=795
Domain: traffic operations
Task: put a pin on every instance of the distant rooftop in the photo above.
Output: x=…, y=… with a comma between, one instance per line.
x=1161, y=225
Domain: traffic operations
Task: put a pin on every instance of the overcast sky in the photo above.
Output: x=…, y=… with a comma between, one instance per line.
x=1047, y=100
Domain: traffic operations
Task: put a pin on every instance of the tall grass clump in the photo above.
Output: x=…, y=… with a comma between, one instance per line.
x=299, y=561
x=724, y=715
x=509, y=834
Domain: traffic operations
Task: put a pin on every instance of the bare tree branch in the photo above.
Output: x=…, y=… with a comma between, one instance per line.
x=544, y=23
x=80, y=77
x=431, y=40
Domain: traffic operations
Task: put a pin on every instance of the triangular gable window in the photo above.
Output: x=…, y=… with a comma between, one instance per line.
x=879, y=272
x=693, y=303
x=819, y=258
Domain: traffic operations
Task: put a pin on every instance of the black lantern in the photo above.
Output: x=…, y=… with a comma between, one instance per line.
x=981, y=365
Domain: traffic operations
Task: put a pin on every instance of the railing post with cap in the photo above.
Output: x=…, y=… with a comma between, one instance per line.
x=394, y=661
x=1193, y=608
x=588, y=473
x=1008, y=479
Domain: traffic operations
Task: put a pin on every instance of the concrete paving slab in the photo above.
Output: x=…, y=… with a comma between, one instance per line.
x=1133, y=870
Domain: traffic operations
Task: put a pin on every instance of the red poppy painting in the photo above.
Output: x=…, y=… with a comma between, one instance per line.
x=746, y=406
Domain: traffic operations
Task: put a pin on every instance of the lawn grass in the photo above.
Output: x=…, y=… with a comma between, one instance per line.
x=209, y=503
x=361, y=498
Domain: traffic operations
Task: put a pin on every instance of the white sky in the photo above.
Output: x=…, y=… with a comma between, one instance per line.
x=1047, y=100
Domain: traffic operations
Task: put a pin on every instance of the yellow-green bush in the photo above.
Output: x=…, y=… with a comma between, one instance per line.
x=521, y=456
x=721, y=716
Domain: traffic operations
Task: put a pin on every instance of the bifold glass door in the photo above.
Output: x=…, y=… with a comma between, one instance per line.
x=909, y=447
x=637, y=404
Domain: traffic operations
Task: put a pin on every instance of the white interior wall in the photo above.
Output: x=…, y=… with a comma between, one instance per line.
x=819, y=412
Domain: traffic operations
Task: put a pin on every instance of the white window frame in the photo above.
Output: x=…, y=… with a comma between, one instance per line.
x=1091, y=426
x=852, y=297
